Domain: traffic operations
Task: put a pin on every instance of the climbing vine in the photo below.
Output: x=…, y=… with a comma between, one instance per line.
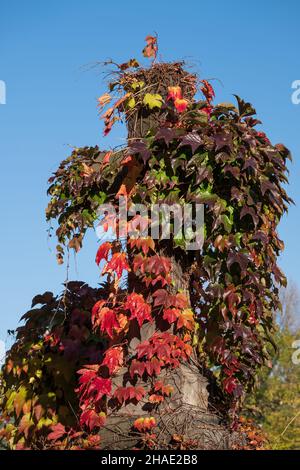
x=217, y=311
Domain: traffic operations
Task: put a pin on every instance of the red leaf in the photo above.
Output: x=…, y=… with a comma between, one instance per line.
x=153, y=264
x=153, y=367
x=180, y=300
x=106, y=319
x=103, y=252
x=58, y=430
x=186, y=319
x=91, y=369
x=137, y=367
x=25, y=424
x=106, y=158
x=138, y=308
x=123, y=394
x=207, y=90
x=161, y=298
x=99, y=387
x=117, y=264
x=91, y=419
x=233, y=299
x=93, y=385
x=144, y=349
x=104, y=100
x=171, y=314
x=138, y=225
x=230, y=384
x=97, y=307
x=113, y=359
x=164, y=389
x=158, y=264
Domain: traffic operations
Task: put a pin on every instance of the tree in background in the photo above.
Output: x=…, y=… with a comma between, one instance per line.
x=164, y=359
x=274, y=403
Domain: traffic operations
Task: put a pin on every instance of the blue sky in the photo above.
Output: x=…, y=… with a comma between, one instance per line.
x=47, y=50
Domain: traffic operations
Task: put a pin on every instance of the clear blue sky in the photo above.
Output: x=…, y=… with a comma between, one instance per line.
x=46, y=50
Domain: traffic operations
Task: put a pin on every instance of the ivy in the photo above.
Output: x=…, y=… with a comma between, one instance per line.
x=193, y=152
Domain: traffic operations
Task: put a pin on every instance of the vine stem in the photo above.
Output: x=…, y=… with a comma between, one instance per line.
x=287, y=426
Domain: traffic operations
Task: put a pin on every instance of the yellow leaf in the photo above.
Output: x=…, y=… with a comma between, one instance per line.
x=20, y=399
x=137, y=85
x=131, y=102
x=153, y=101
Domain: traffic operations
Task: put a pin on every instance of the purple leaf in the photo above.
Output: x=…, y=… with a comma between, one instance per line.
x=223, y=140
x=249, y=211
x=140, y=147
x=166, y=134
x=193, y=139
x=239, y=258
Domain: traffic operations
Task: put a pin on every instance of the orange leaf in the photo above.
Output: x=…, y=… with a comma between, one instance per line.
x=144, y=243
x=174, y=92
x=106, y=158
x=181, y=104
x=156, y=398
x=144, y=424
x=151, y=48
x=104, y=100
x=122, y=191
x=186, y=319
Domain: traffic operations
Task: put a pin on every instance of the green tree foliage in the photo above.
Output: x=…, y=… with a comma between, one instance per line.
x=275, y=401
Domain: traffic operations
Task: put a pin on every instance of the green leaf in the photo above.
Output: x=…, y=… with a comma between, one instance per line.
x=226, y=222
x=100, y=198
x=245, y=109
x=180, y=241
x=87, y=216
x=227, y=106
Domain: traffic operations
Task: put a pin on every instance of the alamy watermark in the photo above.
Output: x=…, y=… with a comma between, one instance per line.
x=2, y=352
x=296, y=93
x=2, y=92
x=183, y=222
x=296, y=354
